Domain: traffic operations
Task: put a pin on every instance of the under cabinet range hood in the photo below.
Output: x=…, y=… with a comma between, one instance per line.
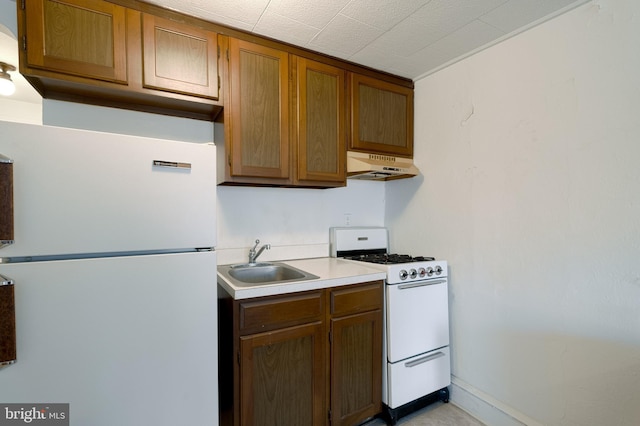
x=362, y=165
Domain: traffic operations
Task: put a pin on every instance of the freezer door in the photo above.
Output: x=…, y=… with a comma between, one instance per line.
x=77, y=191
x=126, y=341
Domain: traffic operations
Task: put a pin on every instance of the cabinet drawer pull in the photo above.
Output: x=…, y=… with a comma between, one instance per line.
x=423, y=359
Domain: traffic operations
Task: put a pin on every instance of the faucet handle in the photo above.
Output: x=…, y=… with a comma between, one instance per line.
x=256, y=246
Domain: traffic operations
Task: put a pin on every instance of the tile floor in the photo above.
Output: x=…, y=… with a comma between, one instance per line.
x=436, y=414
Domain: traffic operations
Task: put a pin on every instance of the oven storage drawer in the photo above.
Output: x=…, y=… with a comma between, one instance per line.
x=416, y=377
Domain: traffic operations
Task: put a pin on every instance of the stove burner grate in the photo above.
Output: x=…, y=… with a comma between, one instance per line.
x=389, y=259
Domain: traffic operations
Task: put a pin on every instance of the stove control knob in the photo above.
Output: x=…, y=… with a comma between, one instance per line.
x=413, y=274
x=422, y=272
x=438, y=270
x=403, y=274
x=429, y=271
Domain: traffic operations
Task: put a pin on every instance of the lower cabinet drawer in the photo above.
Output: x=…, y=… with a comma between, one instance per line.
x=418, y=376
x=356, y=298
x=266, y=314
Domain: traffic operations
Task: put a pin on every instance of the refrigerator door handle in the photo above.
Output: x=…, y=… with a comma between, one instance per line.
x=6, y=201
x=171, y=164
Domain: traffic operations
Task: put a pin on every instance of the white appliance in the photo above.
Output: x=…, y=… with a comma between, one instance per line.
x=416, y=357
x=114, y=270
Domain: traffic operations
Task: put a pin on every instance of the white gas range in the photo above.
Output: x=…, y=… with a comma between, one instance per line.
x=416, y=357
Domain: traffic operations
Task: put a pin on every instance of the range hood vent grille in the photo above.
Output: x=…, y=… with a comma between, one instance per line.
x=367, y=166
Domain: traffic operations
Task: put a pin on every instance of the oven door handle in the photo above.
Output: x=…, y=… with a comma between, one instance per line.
x=423, y=359
x=420, y=284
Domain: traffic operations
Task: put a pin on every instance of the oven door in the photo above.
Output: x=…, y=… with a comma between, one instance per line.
x=417, y=318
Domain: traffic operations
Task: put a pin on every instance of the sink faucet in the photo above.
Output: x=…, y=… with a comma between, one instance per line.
x=252, y=252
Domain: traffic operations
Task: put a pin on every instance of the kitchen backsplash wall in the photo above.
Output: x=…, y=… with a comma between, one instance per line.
x=295, y=222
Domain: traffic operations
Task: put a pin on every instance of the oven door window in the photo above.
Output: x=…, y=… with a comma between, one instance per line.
x=417, y=318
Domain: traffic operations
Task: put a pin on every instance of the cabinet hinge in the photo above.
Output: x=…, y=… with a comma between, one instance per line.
x=329, y=415
x=24, y=43
x=218, y=82
x=23, y=5
x=330, y=337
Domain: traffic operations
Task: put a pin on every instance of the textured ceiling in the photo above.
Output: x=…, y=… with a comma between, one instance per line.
x=410, y=38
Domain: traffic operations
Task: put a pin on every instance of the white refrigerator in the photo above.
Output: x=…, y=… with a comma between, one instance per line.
x=113, y=265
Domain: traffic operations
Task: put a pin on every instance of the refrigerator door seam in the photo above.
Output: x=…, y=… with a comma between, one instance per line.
x=79, y=256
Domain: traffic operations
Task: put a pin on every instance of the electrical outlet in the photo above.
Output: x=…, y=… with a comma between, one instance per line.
x=347, y=219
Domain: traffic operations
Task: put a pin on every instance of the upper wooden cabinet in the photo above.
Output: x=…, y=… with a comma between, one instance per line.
x=289, y=112
x=381, y=117
x=281, y=131
x=179, y=58
x=321, y=132
x=98, y=52
x=258, y=111
x=79, y=37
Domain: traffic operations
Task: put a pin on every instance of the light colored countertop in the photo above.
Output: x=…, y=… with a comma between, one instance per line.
x=333, y=272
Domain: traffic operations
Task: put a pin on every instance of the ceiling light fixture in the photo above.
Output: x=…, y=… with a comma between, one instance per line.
x=7, y=88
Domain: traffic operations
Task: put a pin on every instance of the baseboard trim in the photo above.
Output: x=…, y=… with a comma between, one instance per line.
x=486, y=408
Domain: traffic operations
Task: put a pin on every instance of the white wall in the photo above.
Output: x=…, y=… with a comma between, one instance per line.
x=531, y=158
x=113, y=120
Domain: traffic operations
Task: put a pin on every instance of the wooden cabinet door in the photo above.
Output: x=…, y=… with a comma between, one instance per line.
x=80, y=37
x=356, y=367
x=282, y=379
x=381, y=117
x=321, y=131
x=179, y=58
x=259, y=115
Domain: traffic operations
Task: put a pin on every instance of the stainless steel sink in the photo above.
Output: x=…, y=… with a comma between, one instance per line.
x=247, y=275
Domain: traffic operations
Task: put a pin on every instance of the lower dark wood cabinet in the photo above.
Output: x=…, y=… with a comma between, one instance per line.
x=281, y=374
x=311, y=358
x=356, y=367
